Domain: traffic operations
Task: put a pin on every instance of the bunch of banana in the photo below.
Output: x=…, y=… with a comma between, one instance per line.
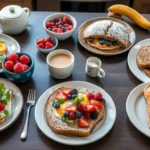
x=130, y=13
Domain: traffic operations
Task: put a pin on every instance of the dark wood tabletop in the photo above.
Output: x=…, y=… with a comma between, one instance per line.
x=119, y=81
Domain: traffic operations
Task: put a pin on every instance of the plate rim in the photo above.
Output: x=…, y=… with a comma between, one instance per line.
x=129, y=111
x=67, y=143
x=144, y=81
x=105, y=54
x=12, y=121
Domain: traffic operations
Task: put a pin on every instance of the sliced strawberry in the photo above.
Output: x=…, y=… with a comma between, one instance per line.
x=2, y=106
x=61, y=95
x=83, y=123
x=42, y=40
x=48, y=40
x=97, y=103
x=48, y=45
x=98, y=96
x=41, y=45
x=49, y=24
x=90, y=108
x=81, y=107
x=97, y=109
x=86, y=115
x=67, y=91
x=71, y=108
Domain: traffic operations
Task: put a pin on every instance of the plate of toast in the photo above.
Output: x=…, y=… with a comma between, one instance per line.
x=138, y=108
x=75, y=113
x=106, y=36
x=11, y=103
x=139, y=60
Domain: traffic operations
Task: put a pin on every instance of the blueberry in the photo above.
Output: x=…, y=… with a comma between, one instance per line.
x=50, y=29
x=94, y=115
x=102, y=41
x=66, y=114
x=74, y=91
x=69, y=97
x=114, y=43
x=103, y=100
x=63, y=28
x=78, y=114
x=56, y=105
x=108, y=43
x=74, y=96
x=91, y=40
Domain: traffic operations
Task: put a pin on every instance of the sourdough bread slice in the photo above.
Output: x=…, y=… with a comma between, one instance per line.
x=60, y=127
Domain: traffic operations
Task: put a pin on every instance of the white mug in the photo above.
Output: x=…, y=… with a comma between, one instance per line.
x=60, y=73
x=93, y=67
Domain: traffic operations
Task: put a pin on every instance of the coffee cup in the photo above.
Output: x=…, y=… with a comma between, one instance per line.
x=93, y=67
x=60, y=63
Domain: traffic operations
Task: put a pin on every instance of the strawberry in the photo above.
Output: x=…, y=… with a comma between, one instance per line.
x=86, y=115
x=18, y=68
x=48, y=45
x=48, y=40
x=42, y=40
x=97, y=103
x=72, y=116
x=81, y=107
x=2, y=106
x=54, y=30
x=41, y=45
x=90, y=108
x=71, y=108
x=70, y=27
x=67, y=91
x=9, y=65
x=49, y=24
x=98, y=96
x=24, y=59
x=61, y=95
x=13, y=57
x=59, y=30
x=65, y=19
x=90, y=96
x=83, y=123
x=97, y=109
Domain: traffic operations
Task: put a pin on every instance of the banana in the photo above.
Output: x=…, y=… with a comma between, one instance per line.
x=130, y=13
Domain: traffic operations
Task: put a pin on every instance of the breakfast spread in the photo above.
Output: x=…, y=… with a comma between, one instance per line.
x=45, y=43
x=106, y=35
x=147, y=99
x=74, y=111
x=60, y=25
x=17, y=64
x=130, y=13
x=143, y=59
x=6, y=96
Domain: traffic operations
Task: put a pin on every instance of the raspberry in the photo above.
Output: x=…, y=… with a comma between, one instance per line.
x=59, y=30
x=54, y=30
x=90, y=96
x=70, y=27
x=65, y=19
x=98, y=96
x=72, y=116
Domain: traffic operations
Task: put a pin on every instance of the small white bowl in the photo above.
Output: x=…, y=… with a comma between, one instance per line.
x=55, y=41
x=60, y=36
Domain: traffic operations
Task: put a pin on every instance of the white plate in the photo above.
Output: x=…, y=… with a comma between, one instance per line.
x=17, y=104
x=132, y=61
x=11, y=43
x=100, y=130
x=136, y=109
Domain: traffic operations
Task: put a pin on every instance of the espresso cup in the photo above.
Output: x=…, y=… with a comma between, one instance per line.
x=93, y=67
x=57, y=71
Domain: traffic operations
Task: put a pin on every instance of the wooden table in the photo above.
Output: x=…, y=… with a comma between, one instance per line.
x=119, y=81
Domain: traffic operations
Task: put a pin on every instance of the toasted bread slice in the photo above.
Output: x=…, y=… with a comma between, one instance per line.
x=147, y=99
x=143, y=57
x=11, y=97
x=147, y=72
x=60, y=127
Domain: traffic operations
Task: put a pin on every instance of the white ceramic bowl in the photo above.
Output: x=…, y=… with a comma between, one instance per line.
x=55, y=41
x=60, y=36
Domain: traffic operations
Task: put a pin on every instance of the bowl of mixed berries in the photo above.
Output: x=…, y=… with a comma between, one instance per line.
x=18, y=67
x=60, y=25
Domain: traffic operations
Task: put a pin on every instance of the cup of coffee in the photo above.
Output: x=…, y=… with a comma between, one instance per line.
x=93, y=67
x=60, y=63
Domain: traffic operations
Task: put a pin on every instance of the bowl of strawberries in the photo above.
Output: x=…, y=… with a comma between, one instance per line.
x=60, y=25
x=46, y=44
x=18, y=67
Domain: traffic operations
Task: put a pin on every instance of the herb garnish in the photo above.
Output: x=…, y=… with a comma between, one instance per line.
x=60, y=101
x=77, y=100
x=66, y=119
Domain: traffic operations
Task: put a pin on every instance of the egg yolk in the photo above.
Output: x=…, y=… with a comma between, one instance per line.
x=2, y=48
x=86, y=100
x=60, y=111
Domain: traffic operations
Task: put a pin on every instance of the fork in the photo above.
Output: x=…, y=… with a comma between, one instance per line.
x=30, y=103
